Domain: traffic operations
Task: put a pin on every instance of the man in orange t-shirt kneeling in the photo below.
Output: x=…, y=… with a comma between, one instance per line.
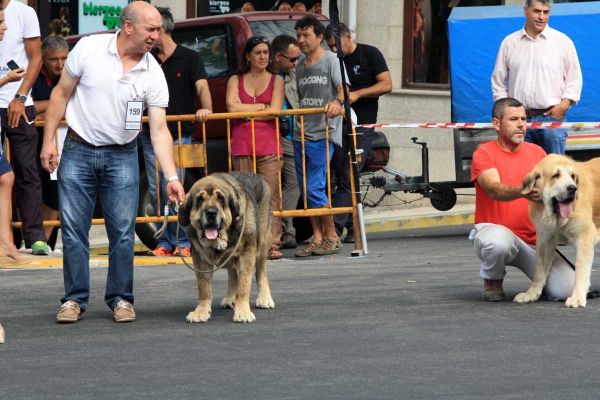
x=504, y=233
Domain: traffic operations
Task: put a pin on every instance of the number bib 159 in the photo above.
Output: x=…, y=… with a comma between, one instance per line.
x=133, y=117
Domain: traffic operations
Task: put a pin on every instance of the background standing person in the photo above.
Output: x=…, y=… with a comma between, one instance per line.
x=504, y=233
x=22, y=45
x=319, y=85
x=257, y=87
x=369, y=78
x=285, y=57
x=544, y=73
x=9, y=255
x=114, y=73
x=186, y=77
x=54, y=54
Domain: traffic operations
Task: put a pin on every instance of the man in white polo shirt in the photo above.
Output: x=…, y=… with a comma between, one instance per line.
x=107, y=82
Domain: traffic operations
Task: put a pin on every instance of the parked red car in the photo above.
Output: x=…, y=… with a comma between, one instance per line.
x=220, y=41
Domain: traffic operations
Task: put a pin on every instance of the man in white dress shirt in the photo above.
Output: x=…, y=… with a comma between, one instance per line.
x=543, y=69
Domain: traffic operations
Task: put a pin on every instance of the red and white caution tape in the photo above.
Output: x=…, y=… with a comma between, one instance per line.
x=480, y=125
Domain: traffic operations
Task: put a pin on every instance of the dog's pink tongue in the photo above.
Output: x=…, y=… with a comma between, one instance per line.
x=211, y=233
x=566, y=211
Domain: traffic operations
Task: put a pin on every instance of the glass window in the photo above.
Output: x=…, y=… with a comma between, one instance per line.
x=212, y=44
x=425, y=55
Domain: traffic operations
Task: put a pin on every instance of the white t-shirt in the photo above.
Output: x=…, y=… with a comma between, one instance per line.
x=98, y=105
x=22, y=23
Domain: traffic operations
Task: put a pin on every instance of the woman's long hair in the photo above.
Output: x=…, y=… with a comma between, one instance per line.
x=254, y=41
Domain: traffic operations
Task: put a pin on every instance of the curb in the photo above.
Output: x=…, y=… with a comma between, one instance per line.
x=375, y=222
x=420, y=221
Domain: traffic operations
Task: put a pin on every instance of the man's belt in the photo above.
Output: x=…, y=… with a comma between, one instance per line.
x=76, y=137
x=532, y=112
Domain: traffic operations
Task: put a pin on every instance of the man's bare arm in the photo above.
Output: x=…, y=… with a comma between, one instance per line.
x=489, y=180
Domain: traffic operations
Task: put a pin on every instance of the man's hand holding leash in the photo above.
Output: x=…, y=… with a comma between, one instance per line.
x=175, y=191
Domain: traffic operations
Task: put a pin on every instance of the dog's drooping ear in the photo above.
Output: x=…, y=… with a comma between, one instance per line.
x=529, y=181
x=184, y=210
x=234, y=201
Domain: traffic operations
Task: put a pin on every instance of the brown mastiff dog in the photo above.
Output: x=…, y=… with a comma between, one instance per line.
x=569, y=213
x=228, y=219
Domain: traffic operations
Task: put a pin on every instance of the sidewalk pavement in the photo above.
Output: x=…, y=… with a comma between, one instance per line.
x=375, y=221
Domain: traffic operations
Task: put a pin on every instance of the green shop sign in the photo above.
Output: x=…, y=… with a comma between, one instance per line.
x=110, y=14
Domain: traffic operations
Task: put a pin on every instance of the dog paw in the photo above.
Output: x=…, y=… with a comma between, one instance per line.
x=526, y=297
x=228, y=302
x=576, y=301
x=196, y=316
x=243, y=316
x=266, y=302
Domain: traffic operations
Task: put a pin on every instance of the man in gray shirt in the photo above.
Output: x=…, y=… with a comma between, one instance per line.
x=319, y=85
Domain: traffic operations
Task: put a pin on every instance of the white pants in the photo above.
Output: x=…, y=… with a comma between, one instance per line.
x=498, y=247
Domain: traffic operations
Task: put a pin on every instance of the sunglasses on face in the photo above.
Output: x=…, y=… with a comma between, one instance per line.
x=292, y=59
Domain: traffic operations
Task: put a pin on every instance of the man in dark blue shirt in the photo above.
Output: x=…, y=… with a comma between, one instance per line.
x=369, y=78
x=54, y=54
x=186, y=77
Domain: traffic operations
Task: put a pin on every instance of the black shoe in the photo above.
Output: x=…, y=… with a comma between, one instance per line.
x=349, y=236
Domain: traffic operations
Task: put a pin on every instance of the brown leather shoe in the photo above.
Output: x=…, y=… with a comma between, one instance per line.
x=493, y=290
x=69, y=313
x=124, y=312
x=288, y=241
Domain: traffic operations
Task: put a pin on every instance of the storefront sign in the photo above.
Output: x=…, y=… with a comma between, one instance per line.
x=100, y=15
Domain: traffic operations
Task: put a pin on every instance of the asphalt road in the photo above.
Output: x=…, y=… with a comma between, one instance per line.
x=406, y=322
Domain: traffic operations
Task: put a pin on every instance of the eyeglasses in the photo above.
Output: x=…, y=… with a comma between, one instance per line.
x=292, y=59
x=254, y=40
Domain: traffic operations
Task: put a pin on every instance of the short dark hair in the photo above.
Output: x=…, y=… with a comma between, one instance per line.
x=168, y=24
x=344, y=30
x=501, y=105
x=282, y=42
x=529, y=3
x=53, y=43
x=310, y=21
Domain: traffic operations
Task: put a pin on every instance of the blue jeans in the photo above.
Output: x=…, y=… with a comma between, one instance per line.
x=553, y=141
x=169, y=238
x=113, y=173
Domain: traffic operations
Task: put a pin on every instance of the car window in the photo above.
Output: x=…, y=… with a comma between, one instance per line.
x=271, y=29
x=211, y=43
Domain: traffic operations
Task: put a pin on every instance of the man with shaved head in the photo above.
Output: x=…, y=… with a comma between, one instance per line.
x=107, y=82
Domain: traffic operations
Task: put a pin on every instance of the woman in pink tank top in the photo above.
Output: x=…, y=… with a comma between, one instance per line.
x=256, y=87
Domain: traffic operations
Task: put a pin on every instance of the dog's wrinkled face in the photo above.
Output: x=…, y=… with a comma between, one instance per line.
x=210, y=205
x=556, y=179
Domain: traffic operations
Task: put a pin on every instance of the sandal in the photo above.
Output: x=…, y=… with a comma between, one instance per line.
x=275, y=254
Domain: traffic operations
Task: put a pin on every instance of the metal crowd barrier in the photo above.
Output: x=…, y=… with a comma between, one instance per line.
x=195, y=155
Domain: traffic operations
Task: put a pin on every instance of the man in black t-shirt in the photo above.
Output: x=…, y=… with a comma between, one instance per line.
x=369, y=78
x=186, y=77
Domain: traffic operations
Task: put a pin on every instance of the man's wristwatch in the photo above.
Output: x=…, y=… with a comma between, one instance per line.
x=339, y=101
x=173, y=178
x=21, y=98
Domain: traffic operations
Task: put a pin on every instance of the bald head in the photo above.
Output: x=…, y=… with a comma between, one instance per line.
x=140, y=28
x=136, y=12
